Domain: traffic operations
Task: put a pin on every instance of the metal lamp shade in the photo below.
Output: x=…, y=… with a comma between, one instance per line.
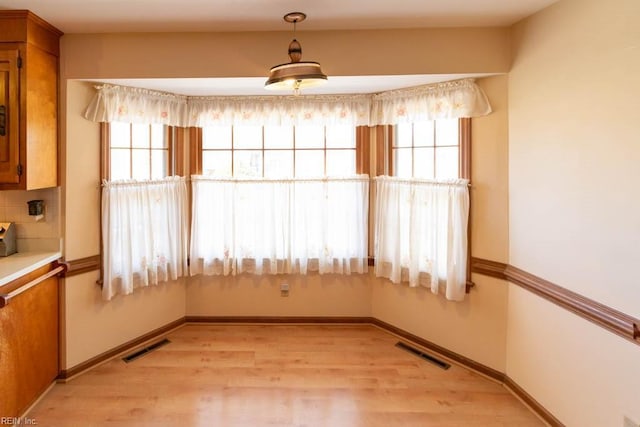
x=295, y=75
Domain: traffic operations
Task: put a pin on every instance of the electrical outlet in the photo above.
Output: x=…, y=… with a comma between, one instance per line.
x=284, y=289
x=628, y=422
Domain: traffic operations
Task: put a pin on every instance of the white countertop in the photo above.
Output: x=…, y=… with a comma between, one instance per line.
x=21, y=263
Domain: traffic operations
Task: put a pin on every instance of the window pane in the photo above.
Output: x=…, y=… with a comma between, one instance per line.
x=404, y=136
x=120, y=135
x=447, y=163
x=247, y=163
x=309, y=136
x=309, y=163
x=341, y=137
x=141, y=164
x=216, y=163
x=402, y=162
x=423, y=163
x=247, y=136
x=216, y=137
x=447, y=132
x=159, y=163
x=341, y=162
x=120, y=164
x=423, y=134
x=158, y=139
x=140, y=137
x=278, y=137
x=278, y=164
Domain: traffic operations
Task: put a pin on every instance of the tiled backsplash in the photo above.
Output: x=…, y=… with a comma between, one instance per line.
x=33, y=235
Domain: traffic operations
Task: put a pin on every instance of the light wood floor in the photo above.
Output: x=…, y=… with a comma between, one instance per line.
x=280, y=375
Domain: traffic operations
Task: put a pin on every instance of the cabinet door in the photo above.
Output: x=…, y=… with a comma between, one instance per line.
x=9, y=116
x=28, y=347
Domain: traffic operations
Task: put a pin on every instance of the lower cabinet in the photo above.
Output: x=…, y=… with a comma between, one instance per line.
x=28, y=341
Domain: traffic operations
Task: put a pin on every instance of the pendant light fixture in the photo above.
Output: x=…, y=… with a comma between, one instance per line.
x=297, y=74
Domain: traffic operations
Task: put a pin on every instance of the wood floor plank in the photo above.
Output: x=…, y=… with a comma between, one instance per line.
x=280, y=375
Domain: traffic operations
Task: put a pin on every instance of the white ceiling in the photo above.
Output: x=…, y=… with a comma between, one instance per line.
x=111, y=16
x=101, y=16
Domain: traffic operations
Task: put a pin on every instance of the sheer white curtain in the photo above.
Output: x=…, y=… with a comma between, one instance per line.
x=144, y=232
x=421, y=233
x=279, y=226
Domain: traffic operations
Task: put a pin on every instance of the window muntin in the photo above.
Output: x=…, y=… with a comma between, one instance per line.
x=138, y=151
x=428, y=150
x=279, y=151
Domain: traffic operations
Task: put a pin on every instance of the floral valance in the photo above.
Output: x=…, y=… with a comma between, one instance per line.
x=134, y=105
x=448, y=100
x=460, y=98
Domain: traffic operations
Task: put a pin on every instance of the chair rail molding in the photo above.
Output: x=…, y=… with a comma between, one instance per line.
x=82, y=265
x=604, y=316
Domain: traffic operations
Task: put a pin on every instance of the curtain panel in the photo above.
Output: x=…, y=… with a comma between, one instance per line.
x=460, y=98
x=279, y=226
x=421, y=233
x=144, y=233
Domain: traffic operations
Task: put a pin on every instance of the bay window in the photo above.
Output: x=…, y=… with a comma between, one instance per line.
x=279, y=199
x=285, y=151
x=278, y=186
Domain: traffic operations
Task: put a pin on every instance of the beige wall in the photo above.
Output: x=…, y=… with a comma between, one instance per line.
x=82, y=174
x=312, y=295
x=476, y=327
x=93, y=326
x=574, y=217
x=343, y=53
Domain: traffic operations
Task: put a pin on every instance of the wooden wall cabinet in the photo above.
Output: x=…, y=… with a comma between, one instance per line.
x=28, y=340
x=29, y=51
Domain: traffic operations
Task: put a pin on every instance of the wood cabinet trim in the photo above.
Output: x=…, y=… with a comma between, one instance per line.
x=56, y=270
x=20, y=281
x=23, y=26
x=34, y=140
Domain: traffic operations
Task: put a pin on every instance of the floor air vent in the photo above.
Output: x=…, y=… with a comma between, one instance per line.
x=143, y=351
x=423, y=355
